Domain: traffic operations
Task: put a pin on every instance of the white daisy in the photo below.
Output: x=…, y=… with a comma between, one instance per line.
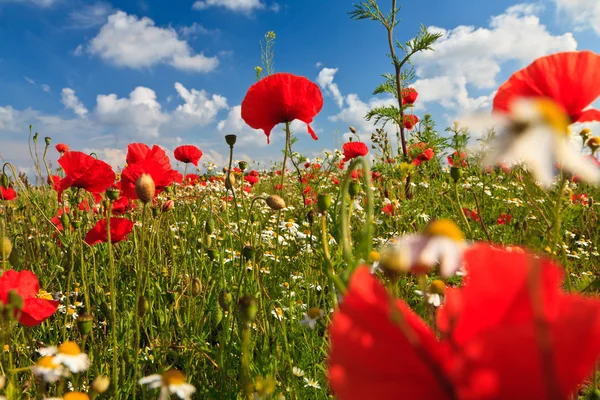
x=48, y=369
x=311, y=317
x=311, y=383
x=69, y=354
x=170, y=382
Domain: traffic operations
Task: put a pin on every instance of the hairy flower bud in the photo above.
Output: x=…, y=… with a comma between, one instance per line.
x=142, y=306
x=248, y=309
x=100, y=384
x=5, y=249
x=145, y=188
x=225, y=299
x=275, y=202
x=84, y=323
x=354, y=189
x=323, y=202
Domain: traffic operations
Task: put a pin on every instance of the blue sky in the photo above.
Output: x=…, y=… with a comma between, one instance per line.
x=100, y=74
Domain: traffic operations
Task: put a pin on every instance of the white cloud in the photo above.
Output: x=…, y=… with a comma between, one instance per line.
x=90, y=15
x=78, y=50
x=112, y=156
x=325, y=80
x=195, y=30
x=29, y=80
x=582, y=14
x=140, y=112
x=199, y=109
x=467, y=57
x=234, y=124
x=46, y=88
x=244, y=6
x=128, y=41
x=72, y=102
x=353, y=114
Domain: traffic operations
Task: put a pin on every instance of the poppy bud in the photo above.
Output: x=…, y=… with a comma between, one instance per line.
x=248, y=252
x=323, y=203
x=225, y=299
x=196, y=286
x=252, y=217
x=456, y=173
x=230, y=139
x=142, y=306
x=310, y=216
x=352, y=129
x=248, y=309
x=145, y=188
x=209, y=226
x=168, y=205
x=100, y=384
x=242, y=165
x=84, y=323
x=275, y=202
x=223, y=206
x=35, y=136
x=230, y=181
x=15, y=300
x=113, y=193
x=33, y=219
x=207, y=241
x=5, y=182
x=354, y=189
x=48, y=140
x=155, y=211
x=5, y=249
x=216, y=316
x=211, y=254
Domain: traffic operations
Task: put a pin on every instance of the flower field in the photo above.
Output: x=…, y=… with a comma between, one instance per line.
x=424, y=264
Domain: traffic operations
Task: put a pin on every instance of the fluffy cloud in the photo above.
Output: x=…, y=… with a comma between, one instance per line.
x=325, y=80
x=468, y=57
x=582, y=14
x=244, y=6
x=234, y=124
x=72, y=102
x=90, y=15
x=199, y=109
x=128, y=41
x=354, y=112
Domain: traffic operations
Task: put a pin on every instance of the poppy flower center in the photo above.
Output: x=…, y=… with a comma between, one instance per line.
x=445, y=227
x=553, y=115
x=173, y=377
x=69, y=348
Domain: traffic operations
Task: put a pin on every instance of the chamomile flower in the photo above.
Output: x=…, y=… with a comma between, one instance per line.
x=297, y=371
x=72, y=396
x=311, y=383
x=48, y=369
x=69, y=354
x=170, y=382
x=536, y=132
x=311, y=317
x=441, y=243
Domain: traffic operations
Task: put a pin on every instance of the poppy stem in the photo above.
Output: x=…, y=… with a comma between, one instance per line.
x=113, y=300
x=288, y=135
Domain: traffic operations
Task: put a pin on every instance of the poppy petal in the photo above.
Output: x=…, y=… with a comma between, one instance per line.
x=589, y=115
x=35, y=311
x=24, y=282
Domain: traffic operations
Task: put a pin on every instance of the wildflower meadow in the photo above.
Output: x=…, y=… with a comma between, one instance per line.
x=426, y=262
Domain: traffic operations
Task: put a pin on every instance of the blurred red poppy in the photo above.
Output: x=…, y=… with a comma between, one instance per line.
x=188, y=154
x=191, y=179
x=62, y=148
x=472, y=215
x=504, y=219
x=7, y=193
x=420, y=153
x=52, y=179
x=571, y=79
x=581, y=198
x=410, y=121
x=409, y=96
x=458, y=160
x=155, y=162
x=84, y=172
x=354, y=149
x=119, y=229
x=281, y=97
x=25, y=284
x=252, y=177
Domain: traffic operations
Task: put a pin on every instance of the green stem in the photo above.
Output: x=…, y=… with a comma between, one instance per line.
x=113, y=301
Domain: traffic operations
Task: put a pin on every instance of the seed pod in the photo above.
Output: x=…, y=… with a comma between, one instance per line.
x=145, y=188
x=354, y=189
x=275, y=202
x=225, y=299
x=84, y=323
x=142, y=306
x=456, y=173
x=113, y=193
x=323, y=202
x=196, y=286
x=230, y=140
x=242, y=165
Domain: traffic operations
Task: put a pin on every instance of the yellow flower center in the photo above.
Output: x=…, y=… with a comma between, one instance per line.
x=76, y=396
x=314, y=313
x=173, y=377
x=553, y=115
x=445, y=227
x=374, y=256
x=594, y=142
x=437, y=286
x=47, y=362
x=42, y=294
x=69, y=348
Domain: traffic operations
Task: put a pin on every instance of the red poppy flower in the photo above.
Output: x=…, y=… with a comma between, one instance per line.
x=409, y=96
x=119, y=229
x=52, y=179
x=420, y=153
x=410, y=121
x=580, y=199
x=122, y=205
x=571, y=79
x=7, y=193
x=191, y=179
x=281, y=98
x=25, y=283
x=252, y=177
x=504, y=219
x=188, y=154
x=512, y=308
x=155, y=162
x=62, y=148
x=85, y=172
x=388, y=209
x=472, y=215
x=354, y=149
x=457, y=160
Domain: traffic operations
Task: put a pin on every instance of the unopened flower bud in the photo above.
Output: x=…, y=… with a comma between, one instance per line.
x=248, y=309
x=225, y=299
x=230, y=139
x=84, y=323
x=352, y=129
x=168, y=205
x=230, y=181
x=100, y=384
x=323, y=202
x=216, y=316
x=142, y=306
x=209, y=226
x=310, y=217
x=48, y=140
x=456, y=173
x=6, y=249
x=196, y=286
x=145, y=188
x=275, y=202
x=354, y=189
